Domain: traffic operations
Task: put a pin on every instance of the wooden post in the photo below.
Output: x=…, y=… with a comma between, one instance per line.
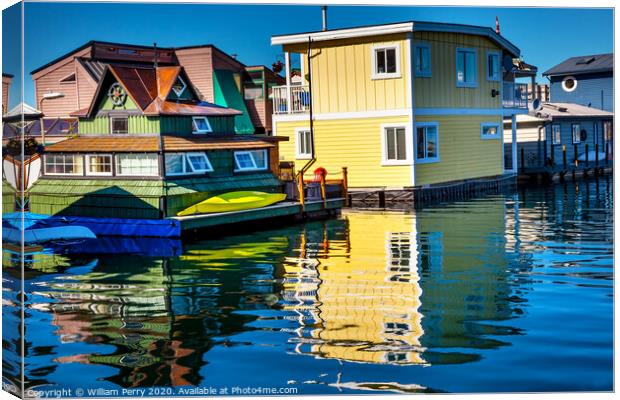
x=575, y=161
x=596, y=157
x=606, y=153
x=300, y=188
x=381, y=198
x=564, y=156
x=345, y=187
x=585, y=168
x=323, y=190
x=522, y=160
x=552, y=155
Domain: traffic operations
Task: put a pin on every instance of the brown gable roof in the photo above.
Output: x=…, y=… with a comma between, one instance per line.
x=106, y=144
x=140, y=83
x=185, y=143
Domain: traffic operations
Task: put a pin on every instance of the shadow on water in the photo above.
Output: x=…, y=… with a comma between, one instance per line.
x=452, y=296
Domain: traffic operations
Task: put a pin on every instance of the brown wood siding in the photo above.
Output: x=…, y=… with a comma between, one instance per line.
x=50, y=82
x=198, y=65
x=256, y=109
x=5, y=95
x=86, y=86
x=222, y=61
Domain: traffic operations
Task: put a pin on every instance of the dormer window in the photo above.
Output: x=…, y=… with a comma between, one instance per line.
x=179, y=87
x=201, y=125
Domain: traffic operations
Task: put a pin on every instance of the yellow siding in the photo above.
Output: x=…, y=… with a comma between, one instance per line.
x=440, y=90
x=342, y=75
x=463, y=154
x=354, y=143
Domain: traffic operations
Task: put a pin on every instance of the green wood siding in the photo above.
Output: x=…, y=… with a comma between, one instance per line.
x=106, y=103
x=176, y=125
x=8, y=197
x=99, y=125
x=137, y=124
x=143, y=124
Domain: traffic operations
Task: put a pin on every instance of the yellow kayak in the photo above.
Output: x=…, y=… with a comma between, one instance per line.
x=234, y=201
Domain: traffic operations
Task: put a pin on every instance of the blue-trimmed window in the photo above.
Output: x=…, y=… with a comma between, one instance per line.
x=427, y=142
x=493, y=66
x=556, y=134
x=466, y=67
x=576, y=133
x=490, y=130
x=422, y=58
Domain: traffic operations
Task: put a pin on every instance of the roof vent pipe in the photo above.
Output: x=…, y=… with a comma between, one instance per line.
x=324, y=13
x=155, y=54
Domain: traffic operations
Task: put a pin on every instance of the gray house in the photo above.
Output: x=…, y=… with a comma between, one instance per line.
x=584, y=80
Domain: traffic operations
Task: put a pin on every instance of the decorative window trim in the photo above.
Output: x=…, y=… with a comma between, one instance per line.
x=118, y=116
x=553, y=141
x=564, y=83
x=179, y=92
x=473, y=84
x=87, y=165
x=572, y=133
x=298, y=154
x=408, y=145
x=490, y=124
x=415, y=144
x=75, y=156
x=117, y=164
x=373, y=61
x=422, y=74
x=499, y=66
x=254, y=167
x=195, y=129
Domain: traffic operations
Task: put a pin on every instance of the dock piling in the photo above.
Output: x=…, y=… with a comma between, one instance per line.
x=345, y=187
x=522, y=160
x=564, y=156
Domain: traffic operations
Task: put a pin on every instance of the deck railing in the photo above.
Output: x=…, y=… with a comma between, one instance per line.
x=298, y=101
x=514, y=95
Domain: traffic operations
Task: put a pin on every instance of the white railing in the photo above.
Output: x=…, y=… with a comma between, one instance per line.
x=298, y=102
x=514, y=95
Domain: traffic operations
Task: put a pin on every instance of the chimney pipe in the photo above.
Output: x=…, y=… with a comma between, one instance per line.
x=324, y=12
x=155, y=53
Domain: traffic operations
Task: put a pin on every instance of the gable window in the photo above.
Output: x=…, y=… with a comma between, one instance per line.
x=556, y=134
x=187, y=163
x=422, y=60
x=99, y=164
x=140, y=164
x=493, y=68
x=466, y=67
x=201, y=125
x=569, y=84
x=427, y=142
x=489, y=130
x=386, y=61
x=253, y=160
x=395, y=145
x=68, y=79
x=576, y=133
x=304, y=144
x=179, y=86
x=64, y=164
x=119, y=124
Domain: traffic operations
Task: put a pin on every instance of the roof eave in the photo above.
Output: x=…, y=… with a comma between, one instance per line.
x=345, y=33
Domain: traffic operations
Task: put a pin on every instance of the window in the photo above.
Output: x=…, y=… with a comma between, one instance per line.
x=576, y=131
x=427, y=142
x=119, y=124
x=254, y=160
x=395, y=145
x=569, y=84
x=386, y=62
x=144, y=164
x=422, y=60
x=489, y=130
x=68, y=79
x=253, y=91
x=466, y=68
x=556, y=134
x=187, y=163
x=201, y=125
x=99, y=164
x=179, y=87
x=304, y=144
x=64, y=164
x=607, y=131
x=493, y=68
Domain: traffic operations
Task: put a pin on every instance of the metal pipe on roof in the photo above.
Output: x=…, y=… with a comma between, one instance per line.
x=324, y=13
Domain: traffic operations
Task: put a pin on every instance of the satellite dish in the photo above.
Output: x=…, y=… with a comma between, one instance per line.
x=507, y=62
x=536, y=105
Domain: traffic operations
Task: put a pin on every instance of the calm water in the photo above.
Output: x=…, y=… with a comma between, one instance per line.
x=502, y=293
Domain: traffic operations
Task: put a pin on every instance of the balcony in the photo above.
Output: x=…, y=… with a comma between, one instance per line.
x=514, y=95
x=298, y=101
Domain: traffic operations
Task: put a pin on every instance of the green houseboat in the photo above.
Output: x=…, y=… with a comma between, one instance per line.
x=147, y=149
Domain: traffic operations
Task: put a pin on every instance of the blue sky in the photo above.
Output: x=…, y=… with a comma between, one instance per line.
x=546, y=36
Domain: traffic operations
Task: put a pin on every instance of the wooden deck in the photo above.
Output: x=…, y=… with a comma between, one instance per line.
x=286, y=209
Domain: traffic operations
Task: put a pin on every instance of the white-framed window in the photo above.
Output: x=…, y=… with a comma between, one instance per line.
x=64, y=164
x=576, y=133
x=99, y=164
x=427, y=142
x=569, y=84
x=396, y=145
x=179, y=86
x=303, y=143
x=137, y=164
x=385, y=61
x=493, y=66
x=556, y=134
x=201, y=125
x=422, y=58
x=187, y=163
x=119, y=124
x=490, y=130
x=250, y=160
x=607, y=131
x=466, y=67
